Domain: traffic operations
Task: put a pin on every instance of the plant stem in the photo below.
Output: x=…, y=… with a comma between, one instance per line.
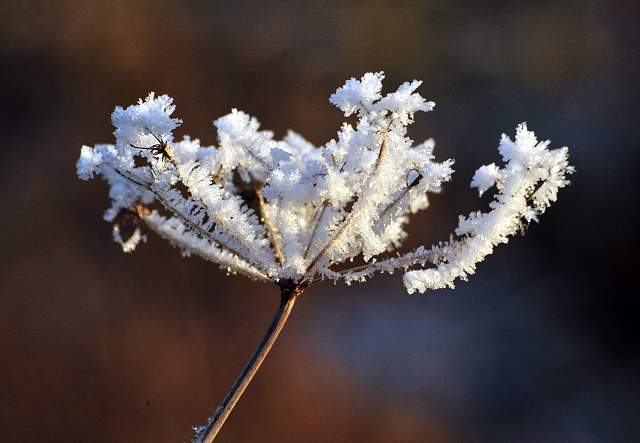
x=289, y=294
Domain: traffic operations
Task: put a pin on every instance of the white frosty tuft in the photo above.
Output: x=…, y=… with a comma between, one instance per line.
x=358, y=94
x=88, y=163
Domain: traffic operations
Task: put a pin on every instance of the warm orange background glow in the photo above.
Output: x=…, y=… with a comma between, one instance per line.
x=101, y=346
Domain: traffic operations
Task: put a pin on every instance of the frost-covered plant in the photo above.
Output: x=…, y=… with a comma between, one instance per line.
x=290, y=213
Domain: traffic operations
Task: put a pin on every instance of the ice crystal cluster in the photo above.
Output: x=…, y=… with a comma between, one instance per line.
x=289, y=211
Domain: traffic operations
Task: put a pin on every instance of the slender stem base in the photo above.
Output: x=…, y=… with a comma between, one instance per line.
x=289, y=295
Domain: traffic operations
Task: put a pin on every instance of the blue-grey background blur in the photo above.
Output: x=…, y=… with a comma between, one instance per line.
x=540, y=346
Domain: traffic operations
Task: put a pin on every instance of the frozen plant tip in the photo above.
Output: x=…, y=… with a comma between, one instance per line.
x=288, y=212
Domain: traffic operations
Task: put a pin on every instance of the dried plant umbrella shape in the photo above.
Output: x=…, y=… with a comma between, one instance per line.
x=288, y=212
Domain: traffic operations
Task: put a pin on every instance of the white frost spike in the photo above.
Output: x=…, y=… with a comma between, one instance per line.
x=280, y=211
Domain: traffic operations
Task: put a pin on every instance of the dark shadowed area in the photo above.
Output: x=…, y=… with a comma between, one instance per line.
x=542, y=345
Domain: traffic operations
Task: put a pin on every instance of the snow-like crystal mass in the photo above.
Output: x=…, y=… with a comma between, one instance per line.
x=276, y=210
x=88, y=163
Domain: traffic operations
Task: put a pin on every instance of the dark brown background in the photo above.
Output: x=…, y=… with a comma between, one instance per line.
x=540, y=346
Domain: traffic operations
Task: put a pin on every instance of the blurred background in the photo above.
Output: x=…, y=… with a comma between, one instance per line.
x=540, y=346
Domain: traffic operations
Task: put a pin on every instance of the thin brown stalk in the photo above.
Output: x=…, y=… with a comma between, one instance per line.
x=289, y=295
x=382, y=149
x=217, y=177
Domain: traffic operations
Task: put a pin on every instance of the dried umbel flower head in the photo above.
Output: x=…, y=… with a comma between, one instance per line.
x=288, y=212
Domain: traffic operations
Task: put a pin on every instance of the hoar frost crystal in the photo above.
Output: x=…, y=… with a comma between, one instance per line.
x=288, y=212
